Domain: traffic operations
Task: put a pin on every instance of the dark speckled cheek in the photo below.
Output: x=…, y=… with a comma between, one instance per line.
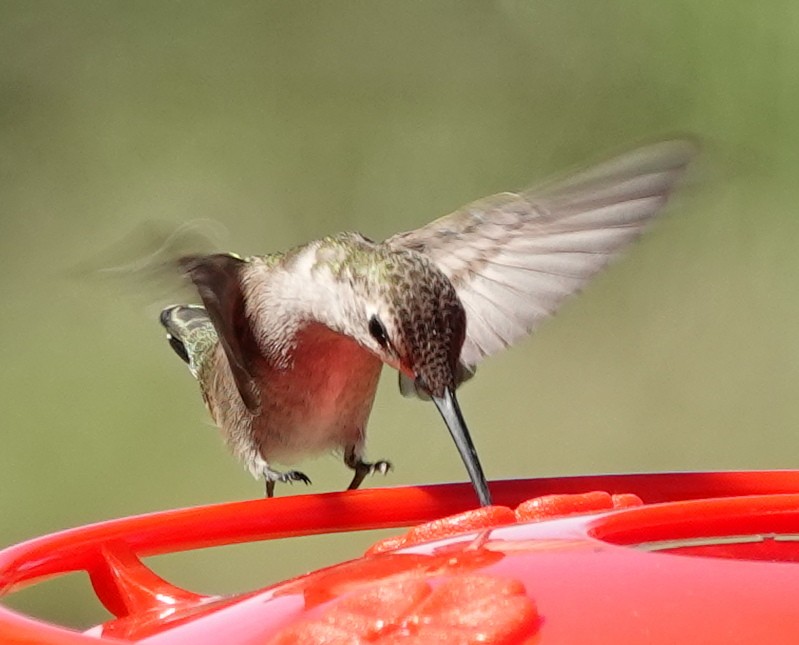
x=433, y=325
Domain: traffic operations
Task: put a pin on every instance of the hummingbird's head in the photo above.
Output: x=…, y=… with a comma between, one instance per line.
x=416, y=323
x=190, y=334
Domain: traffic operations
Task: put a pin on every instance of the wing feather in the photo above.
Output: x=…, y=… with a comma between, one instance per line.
x=514, y=257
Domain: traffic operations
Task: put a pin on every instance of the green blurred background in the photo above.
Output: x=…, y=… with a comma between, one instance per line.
x=289, y=120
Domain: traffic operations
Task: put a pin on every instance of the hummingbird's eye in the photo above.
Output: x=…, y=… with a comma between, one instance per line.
x=378, y=331
x=180, y=348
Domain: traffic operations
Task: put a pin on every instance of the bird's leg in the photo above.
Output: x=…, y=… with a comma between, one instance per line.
x=363, y=468
x=271, y=476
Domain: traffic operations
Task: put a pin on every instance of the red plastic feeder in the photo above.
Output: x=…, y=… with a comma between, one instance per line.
x=663, y=558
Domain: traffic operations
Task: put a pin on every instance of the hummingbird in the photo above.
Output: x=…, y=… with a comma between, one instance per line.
x=288, y=347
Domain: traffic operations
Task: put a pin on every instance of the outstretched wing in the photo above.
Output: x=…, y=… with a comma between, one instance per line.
x=514, y=257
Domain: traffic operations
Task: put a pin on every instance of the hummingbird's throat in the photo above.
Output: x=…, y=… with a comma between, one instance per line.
x=407, y=370
x=418, y=380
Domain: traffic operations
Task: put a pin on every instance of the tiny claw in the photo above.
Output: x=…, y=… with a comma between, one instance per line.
x=382, y=466
x=364, y=468
x=292, y=476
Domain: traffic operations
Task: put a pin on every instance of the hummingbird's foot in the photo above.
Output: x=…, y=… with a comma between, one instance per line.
x=364, y=468
x=290, y=476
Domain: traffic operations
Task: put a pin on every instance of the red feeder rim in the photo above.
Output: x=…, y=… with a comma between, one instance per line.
x=709, y=558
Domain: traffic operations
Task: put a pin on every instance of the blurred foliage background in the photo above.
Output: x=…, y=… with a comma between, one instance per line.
x=287, y=120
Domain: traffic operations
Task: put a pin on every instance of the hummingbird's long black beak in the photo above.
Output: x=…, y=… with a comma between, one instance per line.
x=448, y=407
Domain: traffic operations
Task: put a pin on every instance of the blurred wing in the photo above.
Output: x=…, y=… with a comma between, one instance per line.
x=219, y=285
x=513, y=258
